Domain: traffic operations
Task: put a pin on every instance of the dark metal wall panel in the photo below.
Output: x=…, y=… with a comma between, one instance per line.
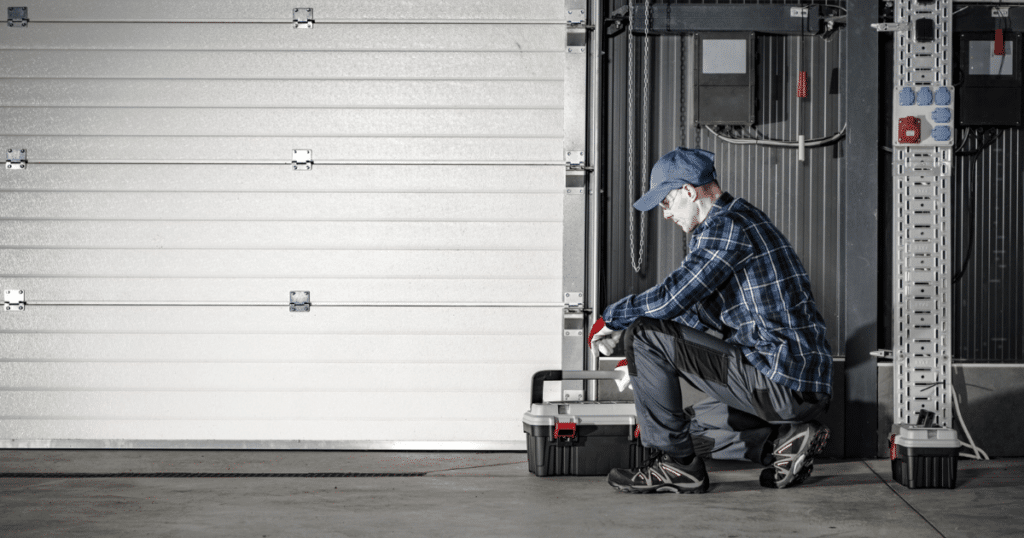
x=802, y=198
x=664, y=243
x=988, y=303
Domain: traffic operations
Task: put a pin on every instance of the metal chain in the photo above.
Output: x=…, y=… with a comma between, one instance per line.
x=636, y=259
x=629, y=140
x=645, y=110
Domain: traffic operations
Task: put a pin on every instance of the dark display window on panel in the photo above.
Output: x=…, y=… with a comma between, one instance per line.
x=990, y=93
x=725, y=78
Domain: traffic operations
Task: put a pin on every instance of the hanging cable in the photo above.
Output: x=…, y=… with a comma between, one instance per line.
x=986, y=139
x=813, y=143
x=979, y=454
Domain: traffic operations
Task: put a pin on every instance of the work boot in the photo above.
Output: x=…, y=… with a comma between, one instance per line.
x=794, y=453
x=662, y=473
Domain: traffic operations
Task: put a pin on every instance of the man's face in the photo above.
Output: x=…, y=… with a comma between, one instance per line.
x=680, y=206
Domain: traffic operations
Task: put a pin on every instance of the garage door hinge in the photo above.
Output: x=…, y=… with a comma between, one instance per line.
x=299, y=301
x=574, y=160
x=572, y=314
x=575, y=17
x=16, y=160
x=302, y=159
x=17, y=16
x=302, y=17
x=14, y=300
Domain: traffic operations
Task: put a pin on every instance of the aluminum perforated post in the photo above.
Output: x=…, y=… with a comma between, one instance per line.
x=922, y=173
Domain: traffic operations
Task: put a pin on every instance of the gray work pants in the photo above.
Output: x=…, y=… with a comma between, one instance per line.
x=735, y=422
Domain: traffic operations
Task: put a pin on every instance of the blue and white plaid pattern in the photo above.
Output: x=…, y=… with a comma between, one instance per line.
x=743, y=279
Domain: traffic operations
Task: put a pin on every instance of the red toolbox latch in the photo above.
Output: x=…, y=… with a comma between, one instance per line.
x=565, y=430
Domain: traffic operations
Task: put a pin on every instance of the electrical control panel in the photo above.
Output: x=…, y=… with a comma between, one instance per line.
x=726, y=78
x=923, y=115
x=990, y=68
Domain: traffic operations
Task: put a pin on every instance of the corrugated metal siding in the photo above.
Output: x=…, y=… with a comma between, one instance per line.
x=159, y=218
x=802, y=199
x=664, y=244
x=989, y=300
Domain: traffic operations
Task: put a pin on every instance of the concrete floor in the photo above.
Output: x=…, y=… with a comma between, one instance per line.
x=476, y=494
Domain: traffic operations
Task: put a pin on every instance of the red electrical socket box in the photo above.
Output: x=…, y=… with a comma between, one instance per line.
x=910, y=130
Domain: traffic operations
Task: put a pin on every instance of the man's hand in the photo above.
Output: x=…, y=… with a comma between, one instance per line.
x=603, y=339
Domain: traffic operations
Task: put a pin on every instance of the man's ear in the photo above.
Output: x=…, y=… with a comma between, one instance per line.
x=690, y=192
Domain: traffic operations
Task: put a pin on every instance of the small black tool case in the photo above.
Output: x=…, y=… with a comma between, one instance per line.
x=580, y=438
x=924, y=457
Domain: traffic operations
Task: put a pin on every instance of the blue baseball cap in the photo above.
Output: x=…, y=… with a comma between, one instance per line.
x=678, y=167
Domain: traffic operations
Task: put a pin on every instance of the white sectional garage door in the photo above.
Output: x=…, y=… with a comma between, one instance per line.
x=160, y=226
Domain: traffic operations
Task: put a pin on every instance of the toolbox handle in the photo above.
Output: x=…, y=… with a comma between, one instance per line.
x=537, y=391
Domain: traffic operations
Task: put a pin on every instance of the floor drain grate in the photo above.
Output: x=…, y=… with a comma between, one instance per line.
x=208, y=475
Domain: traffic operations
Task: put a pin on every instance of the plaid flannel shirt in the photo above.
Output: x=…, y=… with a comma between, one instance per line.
x=743, y=279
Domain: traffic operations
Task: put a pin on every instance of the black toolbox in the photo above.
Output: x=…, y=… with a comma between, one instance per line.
x=580, y=438
x=924, y=457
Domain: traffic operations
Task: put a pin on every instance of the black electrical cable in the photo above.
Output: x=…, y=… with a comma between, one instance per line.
x=987, y=138
x=970, y=221
x=967, y=137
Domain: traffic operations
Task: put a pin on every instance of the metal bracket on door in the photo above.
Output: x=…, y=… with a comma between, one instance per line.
x=574, y=160
x=572, y=314
x=302, y=159
x=14, y=300
x=575, y=17
x=16, y=160
x=17, y=16
x=302, y=17
x=299, y=301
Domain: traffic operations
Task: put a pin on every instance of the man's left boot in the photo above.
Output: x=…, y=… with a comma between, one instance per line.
x=794, y=453
x=662, y=473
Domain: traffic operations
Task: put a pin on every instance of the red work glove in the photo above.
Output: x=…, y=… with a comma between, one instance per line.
x=602, y=339
x=598, y=325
